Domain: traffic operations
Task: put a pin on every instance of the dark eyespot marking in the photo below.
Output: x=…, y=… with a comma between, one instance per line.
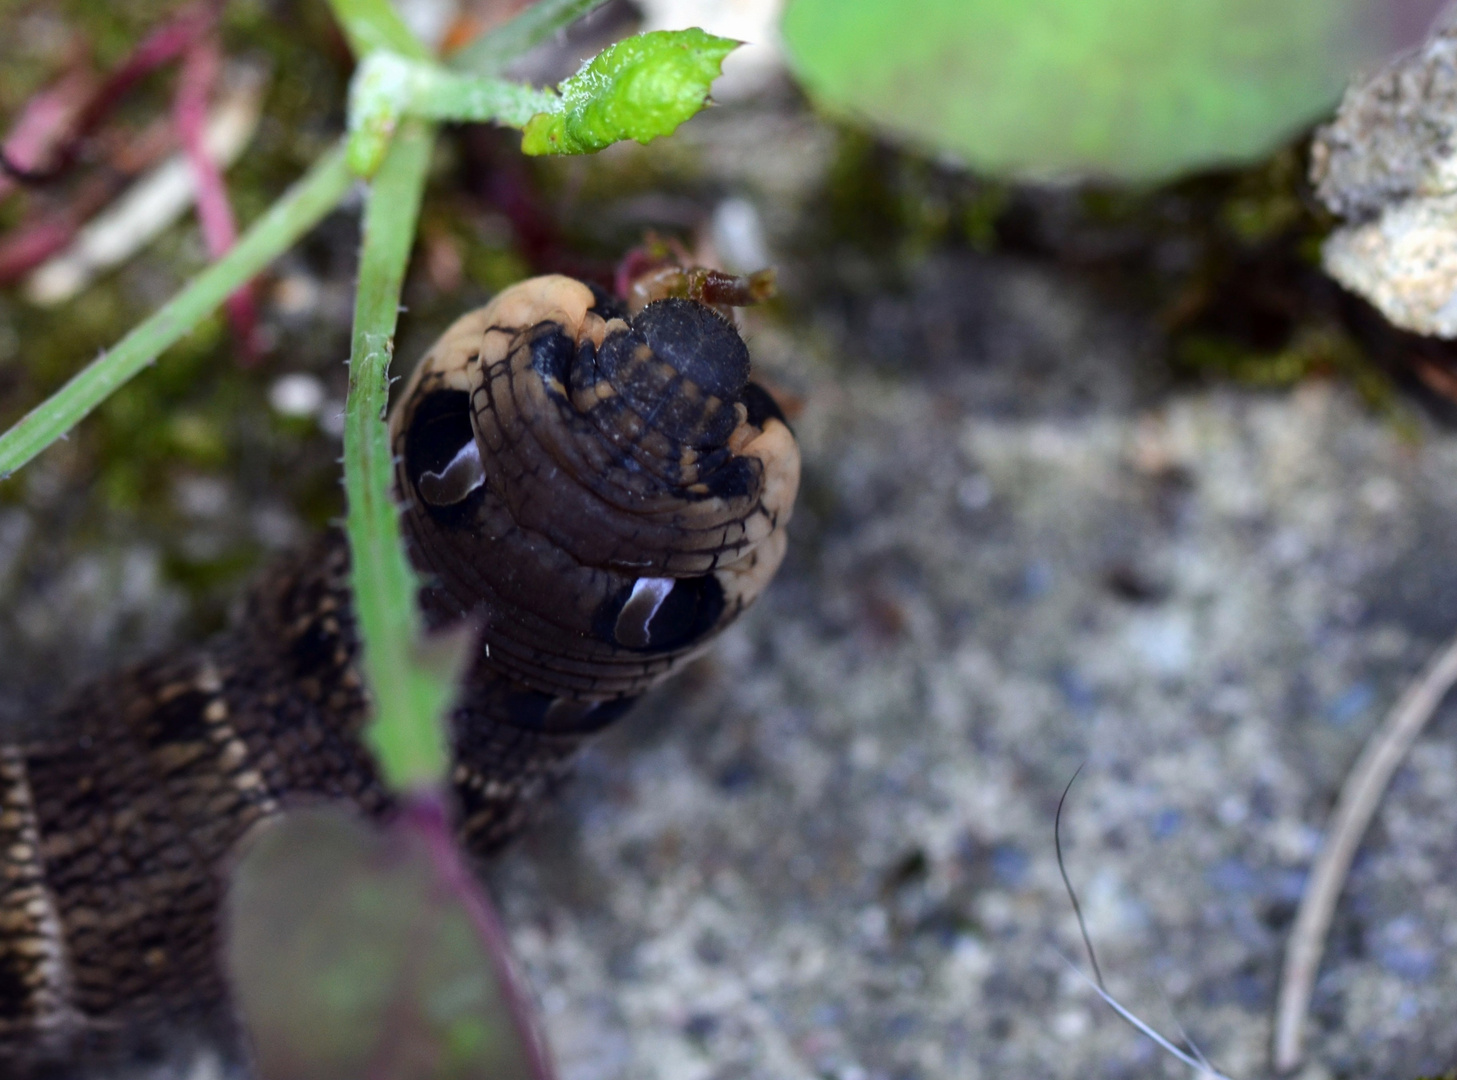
x=545, y=712
x=439, y=429
x=633, y=627
x=762, y=406
x=441, y=458
x=660, y=614
x=552, y=352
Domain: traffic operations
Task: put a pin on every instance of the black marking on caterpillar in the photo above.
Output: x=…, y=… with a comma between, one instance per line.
x=599, y=495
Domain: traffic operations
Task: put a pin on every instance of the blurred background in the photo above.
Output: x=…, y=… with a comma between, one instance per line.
x=1118, y=362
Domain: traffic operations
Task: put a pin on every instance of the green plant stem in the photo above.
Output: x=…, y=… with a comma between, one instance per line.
x=488, y=54
x=440, y=94
x=387, y=86
x=299, y=210
x=409, y=695
x=374, y=25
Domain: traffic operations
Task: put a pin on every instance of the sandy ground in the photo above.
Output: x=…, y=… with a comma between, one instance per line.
x=827, y=852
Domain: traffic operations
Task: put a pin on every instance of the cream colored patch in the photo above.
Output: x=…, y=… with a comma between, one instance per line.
x=208, y=679
x=776, y=448
x=448, y=363
x=744, y=579
x=30, y=924
x=231, y=754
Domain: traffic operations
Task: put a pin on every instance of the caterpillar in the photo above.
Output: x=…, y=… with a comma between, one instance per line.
x=597, y=487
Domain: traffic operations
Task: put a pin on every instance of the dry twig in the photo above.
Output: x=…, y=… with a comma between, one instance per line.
x=1360, y=795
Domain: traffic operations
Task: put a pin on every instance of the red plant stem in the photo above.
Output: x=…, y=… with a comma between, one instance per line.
x=219, y=230
x=41, y=236
x=22, y=252
x=45, y=123
x=56, y=121
x=199, y=72
x=425, y=812
x=163, y=45
x=65, y=134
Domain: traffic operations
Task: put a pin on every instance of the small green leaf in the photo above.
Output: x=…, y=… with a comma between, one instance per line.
x=640, y=88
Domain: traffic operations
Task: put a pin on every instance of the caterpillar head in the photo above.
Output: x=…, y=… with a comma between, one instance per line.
x=604, y=492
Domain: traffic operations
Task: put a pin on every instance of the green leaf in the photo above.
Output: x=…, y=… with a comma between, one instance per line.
x=640, y=88
x=1137, y=89
x=350, y=960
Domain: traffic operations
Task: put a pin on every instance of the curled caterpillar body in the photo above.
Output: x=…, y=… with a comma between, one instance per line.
x=597, y=495
x=601, y=495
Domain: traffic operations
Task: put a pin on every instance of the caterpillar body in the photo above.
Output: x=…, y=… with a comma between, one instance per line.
x=598, y=494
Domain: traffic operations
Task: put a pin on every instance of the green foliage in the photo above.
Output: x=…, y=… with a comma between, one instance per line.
x=374, y=26
x=1314, y=350
x=350, y=960
x=1135, y=89
x=408, y=965
x=288, y=219
x=410, y=692
x=388, y=86
x=639, y=89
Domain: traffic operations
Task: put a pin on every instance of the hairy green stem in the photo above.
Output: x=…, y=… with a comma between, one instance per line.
x=488, y=54
x=410, y=694
x=387, y=86
x=440, y=94
x=299, y=210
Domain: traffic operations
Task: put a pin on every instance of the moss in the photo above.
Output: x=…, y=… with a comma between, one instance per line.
x=880, y=200
x=1264, y=203
x=981, y=213
x=1321, y=351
